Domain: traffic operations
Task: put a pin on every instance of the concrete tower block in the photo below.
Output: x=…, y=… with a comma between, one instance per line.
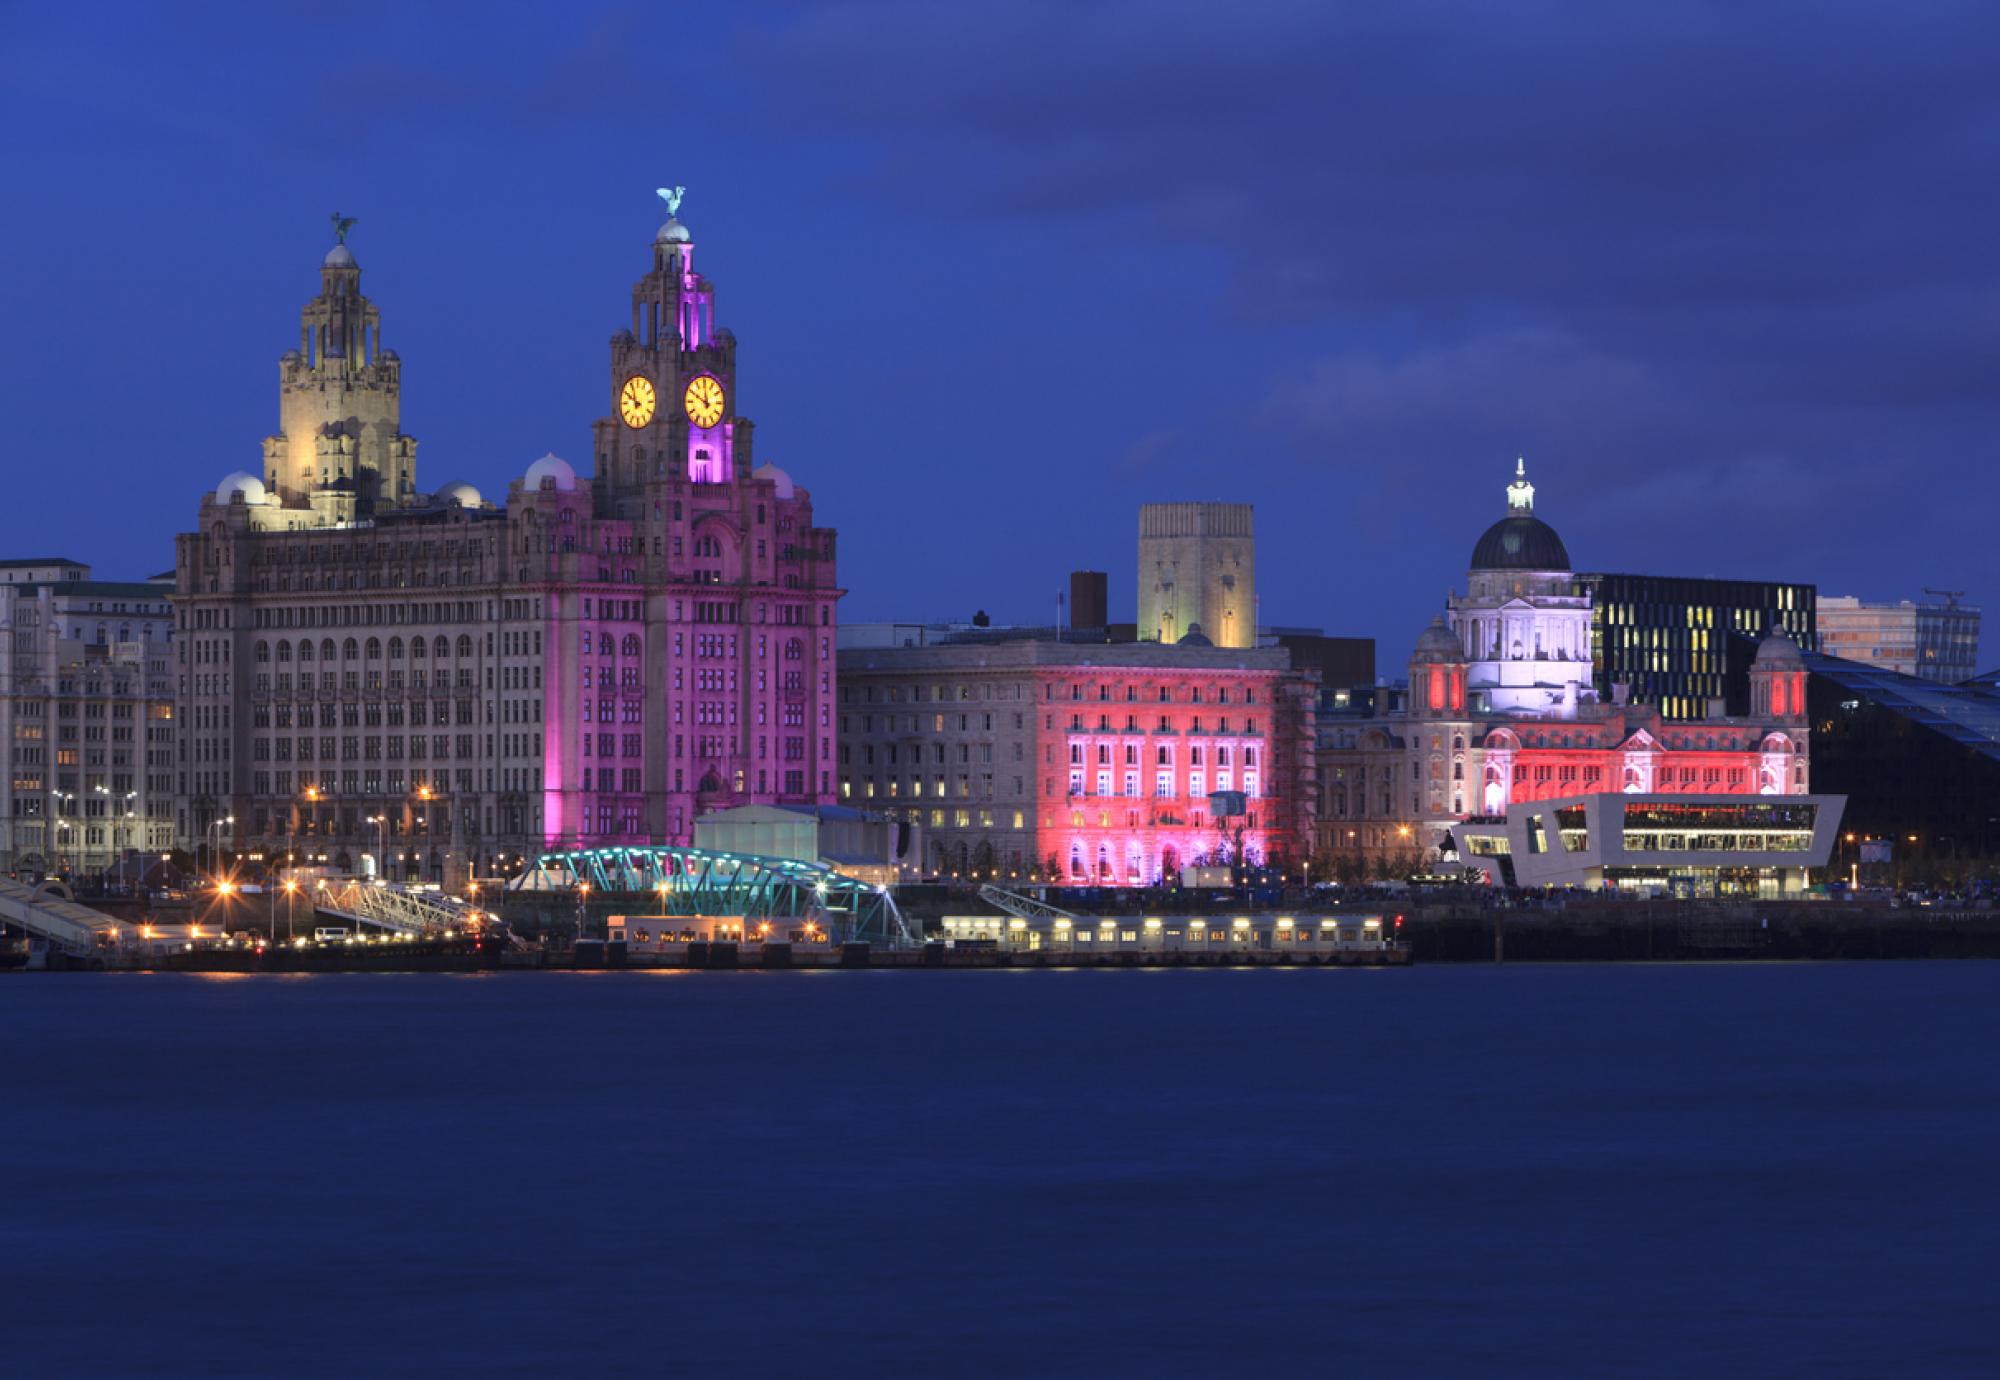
x=1197, y=568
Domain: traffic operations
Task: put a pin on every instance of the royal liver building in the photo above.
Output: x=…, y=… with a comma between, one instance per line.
x=444, y=684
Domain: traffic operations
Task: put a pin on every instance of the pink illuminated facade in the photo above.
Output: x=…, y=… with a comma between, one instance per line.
x=436, y=685
x=688, y=597
x=1499, y=710
x=1091, y=762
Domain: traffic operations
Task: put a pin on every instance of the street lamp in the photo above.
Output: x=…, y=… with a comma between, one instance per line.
x=381, y=823
x=291, y=890
x=215, y=848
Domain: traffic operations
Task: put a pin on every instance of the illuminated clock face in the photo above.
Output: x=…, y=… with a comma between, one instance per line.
x=704, y=400
x=636, y=401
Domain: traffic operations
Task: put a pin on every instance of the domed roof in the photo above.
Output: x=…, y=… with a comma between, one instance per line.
x=460, y=493
x=1777, y=651
x=244, y=483
x=673, y=232
x=776, y=476
x=550, y=471
x=340, y=256
x=1438, y=643
x=1520, y=541
x=1194, y=637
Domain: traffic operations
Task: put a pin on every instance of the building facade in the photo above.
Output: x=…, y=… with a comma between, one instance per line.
x=86, y=713
x=1682, y=844
x=1933, y=641
x=1198, y=573
x=1919, y=761
x=443, y=684
x=1684, y=645
x=1501, y=706
x=1087, y=764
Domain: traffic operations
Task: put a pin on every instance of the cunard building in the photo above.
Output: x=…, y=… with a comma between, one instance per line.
x=441, y=682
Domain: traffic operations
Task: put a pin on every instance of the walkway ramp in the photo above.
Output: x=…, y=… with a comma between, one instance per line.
x=390, y=907
x=705, y=881
x=1026, y=907
x=64, y=925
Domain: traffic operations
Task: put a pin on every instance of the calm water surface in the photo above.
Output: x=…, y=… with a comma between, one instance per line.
x=1676, y=1170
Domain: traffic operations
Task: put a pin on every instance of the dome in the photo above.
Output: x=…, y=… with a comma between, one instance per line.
x=673, y=232
x=776, y=476
x=1195, y=637
x=244, y=483
x=1520, y=542
x=459, y=493
x=550, y=470
x=340, y=256
x=1438, y=643
x=1777, y=652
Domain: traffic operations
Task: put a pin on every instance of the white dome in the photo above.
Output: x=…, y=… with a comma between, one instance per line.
x=460, y=493
x=244, y=483
x=551, y=468
x=673, y=232
x=776, y=476
x=340, y=256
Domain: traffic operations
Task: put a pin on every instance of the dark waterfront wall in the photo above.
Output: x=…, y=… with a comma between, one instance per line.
x=1662, y=931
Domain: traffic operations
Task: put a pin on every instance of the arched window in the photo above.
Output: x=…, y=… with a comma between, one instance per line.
x=395, y=649
x=263, y=652
x=284, y=651
x=464, y=644
x=306, y=649
x=631, y=645
x=440, y=646
x=605, y=646
x=794, y=650
x=374, y=649
x=326, y=649
x=350, y=650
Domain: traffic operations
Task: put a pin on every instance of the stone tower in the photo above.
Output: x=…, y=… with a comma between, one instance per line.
x=674, y=412
x=340, y=449
x=1197, y=573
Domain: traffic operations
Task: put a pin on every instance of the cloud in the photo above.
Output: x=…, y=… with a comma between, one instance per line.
x=1722, y=272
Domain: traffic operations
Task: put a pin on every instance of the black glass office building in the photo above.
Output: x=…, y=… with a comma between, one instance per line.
x=1679, y=643
x=1919, y=762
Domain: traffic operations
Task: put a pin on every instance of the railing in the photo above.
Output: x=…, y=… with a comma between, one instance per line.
x=1026, y=907
x=391, y=907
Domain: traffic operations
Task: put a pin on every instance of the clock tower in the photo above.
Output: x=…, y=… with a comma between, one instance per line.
x=672, y=385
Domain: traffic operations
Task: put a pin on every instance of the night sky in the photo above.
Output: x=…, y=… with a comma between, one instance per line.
x=1724, y=273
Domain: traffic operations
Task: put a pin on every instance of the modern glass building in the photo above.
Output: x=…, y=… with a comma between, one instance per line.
x=1918, y=761
x=1668, y=639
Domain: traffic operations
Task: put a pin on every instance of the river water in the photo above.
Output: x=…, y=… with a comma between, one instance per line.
x=1669, y=1170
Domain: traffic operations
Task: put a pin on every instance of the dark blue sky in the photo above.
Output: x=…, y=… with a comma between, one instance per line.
x=1724, y=273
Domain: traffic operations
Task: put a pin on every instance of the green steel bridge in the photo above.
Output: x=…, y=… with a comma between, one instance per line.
x=705, y=881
